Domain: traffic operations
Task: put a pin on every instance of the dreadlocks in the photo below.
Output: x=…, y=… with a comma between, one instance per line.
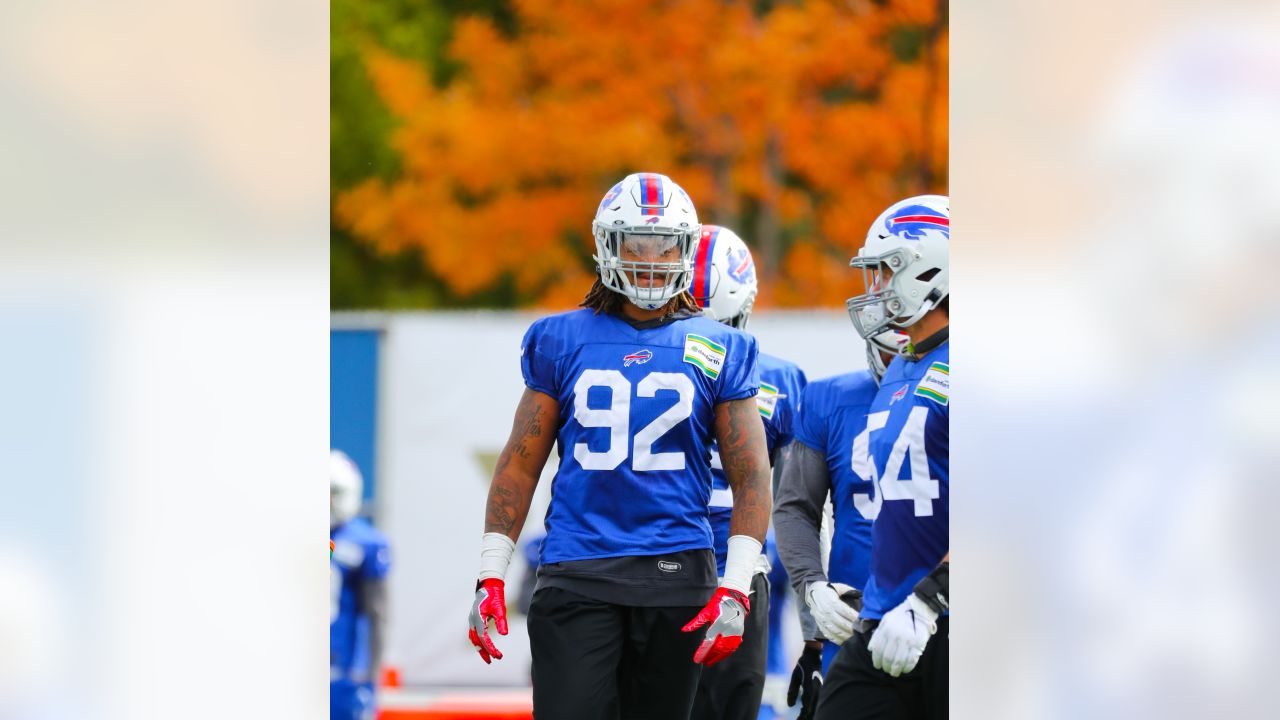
x=603, y=300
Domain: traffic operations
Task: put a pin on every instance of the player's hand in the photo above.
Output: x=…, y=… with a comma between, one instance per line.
x=725, y=617
x=832, y=607
x=806, y=681
x=898, y=643
x=490, y=604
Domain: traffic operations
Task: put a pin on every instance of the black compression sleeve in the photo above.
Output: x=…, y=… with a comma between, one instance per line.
x=933, y=589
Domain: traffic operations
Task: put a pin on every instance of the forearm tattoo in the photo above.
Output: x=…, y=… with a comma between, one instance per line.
x=745, y=457
x=518, y=468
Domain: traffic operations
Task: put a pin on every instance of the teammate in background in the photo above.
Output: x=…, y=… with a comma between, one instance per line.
x=633, y=387
x=895, y=666
x=725, y=286
x=830, y=457
x=358, y=573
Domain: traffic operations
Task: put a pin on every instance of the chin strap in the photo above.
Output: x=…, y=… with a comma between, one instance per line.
x=918, y=350
x=670, y=317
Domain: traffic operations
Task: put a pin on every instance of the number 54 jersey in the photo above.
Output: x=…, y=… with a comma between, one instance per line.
x=636, y=425
x=909, y=423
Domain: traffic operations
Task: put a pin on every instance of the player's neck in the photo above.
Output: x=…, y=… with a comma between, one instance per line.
x=932, y=322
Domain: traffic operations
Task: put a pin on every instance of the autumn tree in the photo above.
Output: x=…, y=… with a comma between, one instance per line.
x=792, y=123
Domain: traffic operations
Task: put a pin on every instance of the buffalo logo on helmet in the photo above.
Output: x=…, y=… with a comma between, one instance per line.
x=914, y=221
x=638, y=358
x=740, y=266
x=614, y=192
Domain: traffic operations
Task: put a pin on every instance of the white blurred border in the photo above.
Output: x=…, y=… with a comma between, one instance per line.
x=1114, y=175
x=164, y=318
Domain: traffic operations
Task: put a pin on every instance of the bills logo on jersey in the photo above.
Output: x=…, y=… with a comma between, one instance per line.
x=902, y=392
x=637, y=358
x=741, y=267
x=914, y=221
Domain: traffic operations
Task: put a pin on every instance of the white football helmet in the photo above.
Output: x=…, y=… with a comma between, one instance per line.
x=646, y=217
x=904, y=263
x=346, y=488
x=724, y=277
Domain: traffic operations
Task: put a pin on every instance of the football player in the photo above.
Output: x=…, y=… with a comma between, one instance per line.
x=358, y=571
x=725, y=286
x=830, y=457
x=895, y=665
x=633, y=388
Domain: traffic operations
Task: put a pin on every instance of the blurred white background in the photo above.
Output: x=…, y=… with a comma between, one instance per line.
x=164, y=302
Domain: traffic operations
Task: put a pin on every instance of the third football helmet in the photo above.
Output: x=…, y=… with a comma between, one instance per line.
x=904, y=263
x=652, y=222
x=724, y=276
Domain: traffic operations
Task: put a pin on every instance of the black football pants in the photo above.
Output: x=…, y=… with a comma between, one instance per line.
x=731, y=689
x=596, y=660
x=855, y=690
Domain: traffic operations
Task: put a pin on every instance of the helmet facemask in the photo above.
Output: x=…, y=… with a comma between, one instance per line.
x=648, y=265
x=889, y=342
x=898, y=294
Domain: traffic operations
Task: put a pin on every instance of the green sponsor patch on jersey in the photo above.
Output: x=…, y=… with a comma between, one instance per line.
x=704, y=354
x=936, y=383
x=767, y=400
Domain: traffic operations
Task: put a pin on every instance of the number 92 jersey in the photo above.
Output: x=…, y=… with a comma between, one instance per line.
x=909, y=423
x=637, y=421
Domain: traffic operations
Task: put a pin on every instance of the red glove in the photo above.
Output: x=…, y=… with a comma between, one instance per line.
x=489, y=605
x=726, y=618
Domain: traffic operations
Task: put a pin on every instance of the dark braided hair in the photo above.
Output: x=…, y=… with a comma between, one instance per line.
x=603, y=300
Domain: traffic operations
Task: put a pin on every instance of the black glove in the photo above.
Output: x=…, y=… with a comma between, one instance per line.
x=806, y=681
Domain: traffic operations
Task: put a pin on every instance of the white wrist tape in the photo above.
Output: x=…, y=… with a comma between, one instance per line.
x=495, y=555
x=740, y=564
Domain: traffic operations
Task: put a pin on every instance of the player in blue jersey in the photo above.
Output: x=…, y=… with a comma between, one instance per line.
x=725, y=286
x=632, y=389
x=358, y=570
x=830, y=458
x=895, y=666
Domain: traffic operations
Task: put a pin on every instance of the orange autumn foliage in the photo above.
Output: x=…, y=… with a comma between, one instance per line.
x=795, y=128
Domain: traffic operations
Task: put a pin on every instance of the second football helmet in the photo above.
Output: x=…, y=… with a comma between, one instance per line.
x=905, y=265
x=646, y=231
x=724, y=276
x=346, y=488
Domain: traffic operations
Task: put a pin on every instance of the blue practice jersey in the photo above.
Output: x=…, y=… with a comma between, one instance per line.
x=833, y=421
x=637, y=419
x=781, y=383
x=359, y=555
x=909, y=423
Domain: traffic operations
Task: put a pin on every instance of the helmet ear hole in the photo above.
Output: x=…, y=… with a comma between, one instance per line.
x=928, y=275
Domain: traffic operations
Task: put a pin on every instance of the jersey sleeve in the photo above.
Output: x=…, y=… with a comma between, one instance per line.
x=741, y=376
x=811, y=421
x=377, y=559
x=788, y=418
x=537, y=363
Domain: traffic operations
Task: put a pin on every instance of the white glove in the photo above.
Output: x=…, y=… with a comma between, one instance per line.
x=834, y=617
x=898, y=642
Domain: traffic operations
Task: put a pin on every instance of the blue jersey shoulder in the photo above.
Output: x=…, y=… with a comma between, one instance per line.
x=823, y=398
x=359, y=530
x=829, y=393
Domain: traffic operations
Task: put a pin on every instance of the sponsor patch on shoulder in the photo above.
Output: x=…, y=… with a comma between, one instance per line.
x=936, y=383
x=704, y=354
x=767, y=400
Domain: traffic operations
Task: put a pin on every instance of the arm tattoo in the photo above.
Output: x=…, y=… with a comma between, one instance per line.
x=519, y=465
x=745, y=457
